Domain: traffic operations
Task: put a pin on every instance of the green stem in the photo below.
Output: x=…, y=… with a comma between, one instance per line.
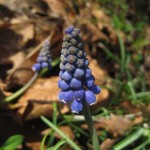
x=68, y=140
x=21, y=91
x=89, y=120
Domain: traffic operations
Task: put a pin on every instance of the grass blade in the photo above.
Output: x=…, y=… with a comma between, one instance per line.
x=69, y=141
x=127, y=141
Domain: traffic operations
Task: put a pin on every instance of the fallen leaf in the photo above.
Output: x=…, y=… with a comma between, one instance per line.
x=65, y=129
x=107, y=144
x=116, y=125
x=38, y=99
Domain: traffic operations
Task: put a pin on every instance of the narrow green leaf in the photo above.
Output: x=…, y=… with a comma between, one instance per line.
x=12, y=142
x=58, y=145
x=130, y=139
x=143, y=144
x=68, y=140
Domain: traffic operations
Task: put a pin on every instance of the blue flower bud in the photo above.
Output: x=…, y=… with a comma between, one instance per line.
x=75, y=83
x=76, y=106
x=36, y=67
x=62, y=67
x=78, y=94
x=88, y=72
x=69, y=30
x=63, y=85
x=86, y=62
x=79, y=73
x=95, y=89
x=39, y=59
x=65, y=96
x=89, y=82
x=44, y=64
x=90, y=97
x=61, y=74
x=66, y=76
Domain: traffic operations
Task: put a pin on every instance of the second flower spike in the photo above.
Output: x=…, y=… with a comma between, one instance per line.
x=76, y=79
x=44, y=58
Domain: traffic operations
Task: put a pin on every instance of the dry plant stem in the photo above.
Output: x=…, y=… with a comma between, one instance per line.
x=89, y=120
x=21, y=91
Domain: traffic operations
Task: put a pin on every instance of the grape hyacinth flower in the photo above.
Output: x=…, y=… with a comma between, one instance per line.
x=44, y=58
x=76, y=79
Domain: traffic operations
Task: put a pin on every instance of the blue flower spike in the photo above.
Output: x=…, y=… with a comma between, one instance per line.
x=76, y=79
x=44, y=58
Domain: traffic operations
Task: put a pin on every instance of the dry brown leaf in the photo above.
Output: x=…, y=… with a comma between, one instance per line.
x=27, y=30
x=65, y=129
x=17, y=59
x=99, y=74
x=117, y=125
x=107, y=144
x=34, y=145
x=38, y=99
x=62, y=8
x=21, y=76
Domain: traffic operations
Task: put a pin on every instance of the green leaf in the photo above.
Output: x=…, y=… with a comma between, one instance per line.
x=12, y=142
x=58, y=145
x=130, y=139
x=63, y=135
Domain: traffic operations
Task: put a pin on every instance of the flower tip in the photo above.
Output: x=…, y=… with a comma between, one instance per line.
x=68, y=30
x=75, y=112
x=36, y=67
x=76, y=106
x=93, y=103
x=63, y=101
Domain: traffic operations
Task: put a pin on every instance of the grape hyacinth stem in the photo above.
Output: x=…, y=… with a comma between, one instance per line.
x=89, y=120
x=22, y=90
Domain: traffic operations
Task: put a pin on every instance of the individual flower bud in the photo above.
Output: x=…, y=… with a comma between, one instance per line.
x=66, y=76
x=90, y=97
x=72, y=50
x=65, y=96
x=73, y=42
x=89, y=82
x=76, y=106
x=79, y=73
x=95, y=89
x=63, y=85
x=79, y=93
x=80, y=63
x=69, y=67
x=80, y=53
x=69, y=30
x=75, y=83
x=71, y=58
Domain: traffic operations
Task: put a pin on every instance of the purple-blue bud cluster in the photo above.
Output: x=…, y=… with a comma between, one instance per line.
x=44, y=58
x=76, y=79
